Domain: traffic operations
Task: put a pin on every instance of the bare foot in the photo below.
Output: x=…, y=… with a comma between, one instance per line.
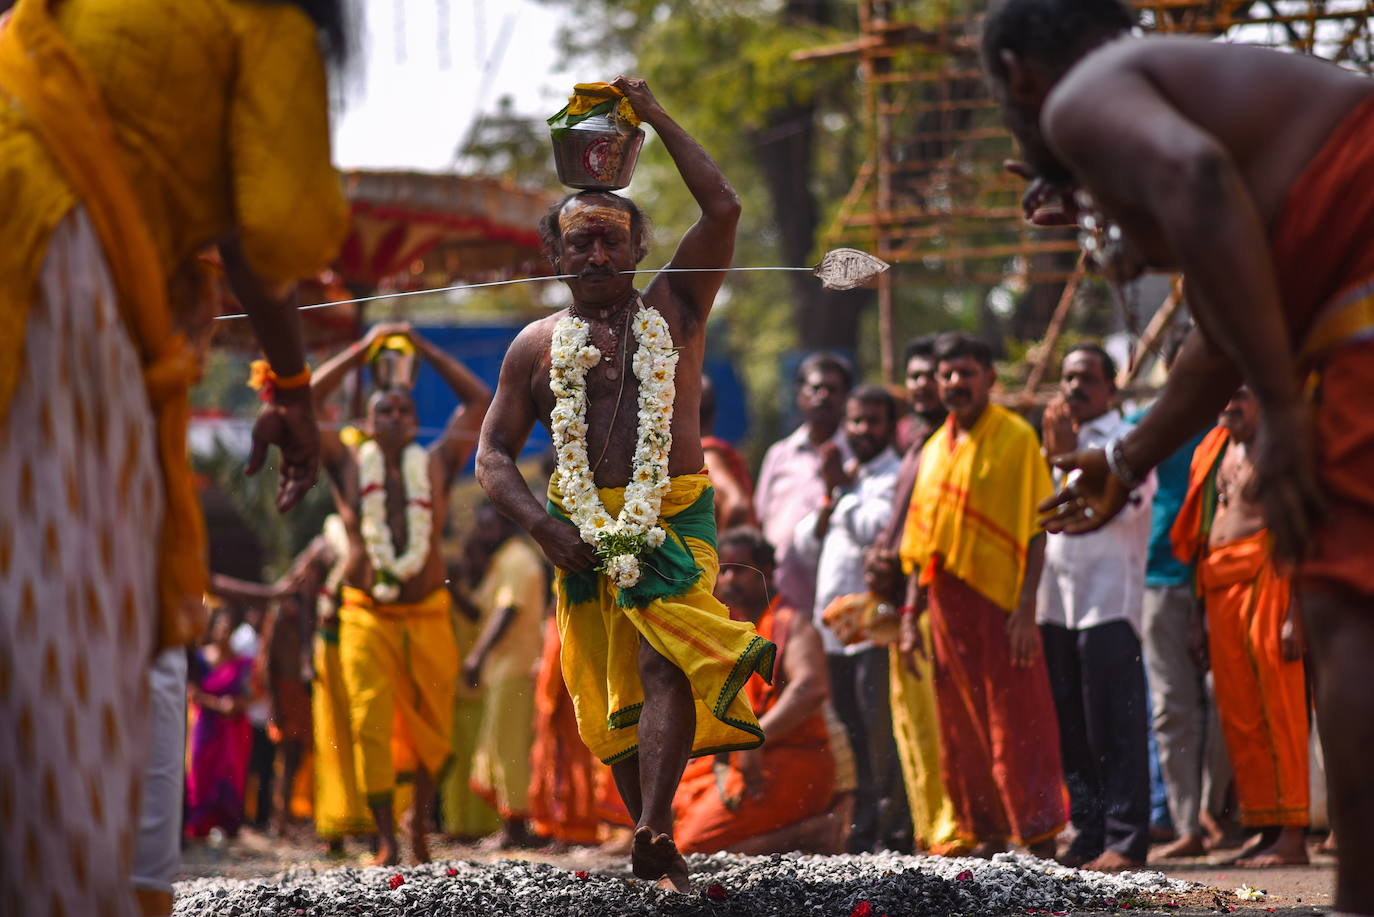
x=1190, y=845
x=1328, y=845
x=388, y=853
x=1110, y=861
x=655, y=856
x=419, y=846
x=1256, y=843
x=1213, y=834
x=1290, y=849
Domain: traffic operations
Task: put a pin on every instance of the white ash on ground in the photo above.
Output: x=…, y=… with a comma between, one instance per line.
x=725, y=884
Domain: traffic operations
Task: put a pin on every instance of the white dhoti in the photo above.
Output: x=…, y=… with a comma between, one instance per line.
x=81, y=505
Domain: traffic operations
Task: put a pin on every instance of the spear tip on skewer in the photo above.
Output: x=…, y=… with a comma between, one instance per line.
x=848, y=268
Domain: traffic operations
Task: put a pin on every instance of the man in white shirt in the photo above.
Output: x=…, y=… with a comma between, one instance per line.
x=790, y=484
x=1089, y=612
x=832, y=539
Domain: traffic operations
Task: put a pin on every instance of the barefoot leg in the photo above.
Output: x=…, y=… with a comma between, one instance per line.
x=1288, y=849
x=666, y=726
x=419, y=816
x=388, y=854
x=1340, y=628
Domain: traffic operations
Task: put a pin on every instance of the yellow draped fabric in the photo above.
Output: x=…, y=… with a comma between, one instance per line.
x=40, y=74
x=973, y=507
x=692, y=630
x=400, y=668
x=587, y=96
x=169, y=144
x=917, y=730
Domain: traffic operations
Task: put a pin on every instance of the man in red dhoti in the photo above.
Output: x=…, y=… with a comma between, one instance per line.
x=972, y=536
x=1254, y=638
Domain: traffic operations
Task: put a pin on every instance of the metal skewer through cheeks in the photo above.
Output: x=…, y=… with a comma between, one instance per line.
x=840, y=269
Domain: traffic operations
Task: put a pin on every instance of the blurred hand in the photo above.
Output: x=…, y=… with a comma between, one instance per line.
x=386, y=329
x=1059, y=434
x=910, y=646
x=1293, y=636
x=1043, y=203
x=1023, y=638
x=883, y=574
x=563, y=546
x=832, y=467
x=472, y=671
x=289, y=424
x=1090, y=497
x=1286, y=483
x=750, y=765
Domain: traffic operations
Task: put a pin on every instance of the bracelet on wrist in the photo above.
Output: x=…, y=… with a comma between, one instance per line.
x=906, y=610
x=1116, y=462
x=263, y=380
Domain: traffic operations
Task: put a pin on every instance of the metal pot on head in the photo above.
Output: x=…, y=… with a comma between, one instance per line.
x=598, y=153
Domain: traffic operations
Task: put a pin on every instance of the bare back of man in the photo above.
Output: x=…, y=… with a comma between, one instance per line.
x=1189, y=86
x=598, y=237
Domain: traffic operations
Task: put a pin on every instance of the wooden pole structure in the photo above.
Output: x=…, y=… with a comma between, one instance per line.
x=1152, y=335
x=1055, y=329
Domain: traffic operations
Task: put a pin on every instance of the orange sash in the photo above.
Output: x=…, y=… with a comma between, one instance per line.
x=1194, y=520
x=40, y=70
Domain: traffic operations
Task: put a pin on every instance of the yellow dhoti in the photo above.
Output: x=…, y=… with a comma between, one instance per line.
x=601, y=629
x=339, y=807
x=400, y=666
x=917, y=730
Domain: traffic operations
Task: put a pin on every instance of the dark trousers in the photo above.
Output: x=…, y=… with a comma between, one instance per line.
x=1098, y=682
x=859, y=691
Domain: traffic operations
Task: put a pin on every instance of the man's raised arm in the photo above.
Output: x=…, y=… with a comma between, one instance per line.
x=710, y=243
x=504, y=432
x=330, y=376
x=460, y=434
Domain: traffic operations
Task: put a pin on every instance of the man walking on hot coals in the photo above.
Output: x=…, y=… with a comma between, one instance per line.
x=654, y=663
x=400, y=660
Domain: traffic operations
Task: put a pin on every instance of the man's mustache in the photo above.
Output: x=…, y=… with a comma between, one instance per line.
x=957, y=393
x=595, y=272
x=1076, y=395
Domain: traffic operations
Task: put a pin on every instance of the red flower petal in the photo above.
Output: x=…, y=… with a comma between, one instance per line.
x=397, y=881
x=716, y=892
x=862, y=909
x=581, y=874
x=965, y=876
x=452, y=871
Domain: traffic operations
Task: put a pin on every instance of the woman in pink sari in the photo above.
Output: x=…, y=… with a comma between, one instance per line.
x=221, y=735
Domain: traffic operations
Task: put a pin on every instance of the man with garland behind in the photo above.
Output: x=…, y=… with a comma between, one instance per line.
x=400, y=660
x=654, y=663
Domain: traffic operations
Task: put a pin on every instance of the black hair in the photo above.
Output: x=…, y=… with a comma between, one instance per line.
x=876, y=394
x=752, y=540
x=1053, y=32
x=826, y=362
x=1108, y=364
x=953, y=345
x=332, y=20
x=551, y=233
x=921, y=346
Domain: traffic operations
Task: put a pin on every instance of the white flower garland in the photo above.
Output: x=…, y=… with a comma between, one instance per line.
x=391, y=571
x=619, y=542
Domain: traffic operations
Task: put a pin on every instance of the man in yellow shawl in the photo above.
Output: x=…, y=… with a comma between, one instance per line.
x=397, y=651
x=655, y=665
x=133, y=134
x=974, y=543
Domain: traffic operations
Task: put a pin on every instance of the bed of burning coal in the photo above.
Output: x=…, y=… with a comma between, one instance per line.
x=868, y=885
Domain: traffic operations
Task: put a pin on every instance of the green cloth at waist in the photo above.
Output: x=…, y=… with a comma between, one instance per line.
x=667, y=571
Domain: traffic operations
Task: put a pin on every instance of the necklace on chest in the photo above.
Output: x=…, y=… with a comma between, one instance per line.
x=609, y=334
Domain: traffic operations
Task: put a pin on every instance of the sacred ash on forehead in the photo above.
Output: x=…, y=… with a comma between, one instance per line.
x=582, y=216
